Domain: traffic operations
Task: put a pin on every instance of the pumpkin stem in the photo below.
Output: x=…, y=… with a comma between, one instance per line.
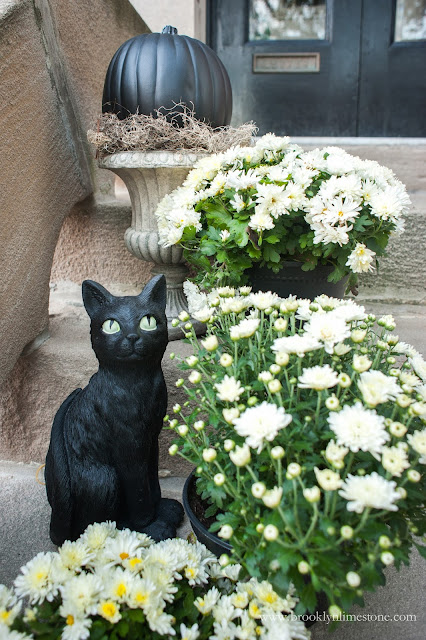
x=168, y=29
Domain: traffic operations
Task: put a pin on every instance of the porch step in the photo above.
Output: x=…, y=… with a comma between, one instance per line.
x=393, y=612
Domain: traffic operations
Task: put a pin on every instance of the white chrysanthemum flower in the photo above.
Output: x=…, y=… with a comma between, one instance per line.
x=369, y=491
x=419, y=366
x=76, y=628
x=335, y=453
x=118, y=584
x=270, y=199
x=245, y=329
x=417, y=441
x=295, y=344
x=376, y=387
x=264, y=300
x=272, y=497
x=261, y=221
x=318, y=378
x=126, y=544
x=395, y=459
x=267, y=597
x=262, y=422
x=229, y=390
x=144, y=594
x=75, y=555
x=96, y=534
x=189, y=633
x=40, y=578
x=361, y=363
x=240, y=456
x=406, y=349
x=359, y=429
x=277, y=627
x=389, y=203
x=327, y=479
x=327, y=234
x=205, y=314
x=328, y=328
x=205, y=603
x=349, y=310
x=9, y=607
x=81, y=594
x=361, y=259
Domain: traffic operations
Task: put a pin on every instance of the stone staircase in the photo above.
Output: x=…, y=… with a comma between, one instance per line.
x=91, y=246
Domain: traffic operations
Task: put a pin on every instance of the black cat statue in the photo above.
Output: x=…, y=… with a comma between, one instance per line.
x=102, y=462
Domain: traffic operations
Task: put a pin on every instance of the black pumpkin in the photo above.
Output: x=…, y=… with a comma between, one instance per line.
x=157, y=70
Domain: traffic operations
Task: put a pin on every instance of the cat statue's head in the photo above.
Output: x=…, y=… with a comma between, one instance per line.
x=127, y=329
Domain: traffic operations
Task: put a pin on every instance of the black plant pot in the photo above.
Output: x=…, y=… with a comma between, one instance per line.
x=291, y=280
x=210, y=540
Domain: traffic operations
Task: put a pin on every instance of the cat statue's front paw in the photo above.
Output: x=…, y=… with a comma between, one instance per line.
x=171, y=511
x=160, y=530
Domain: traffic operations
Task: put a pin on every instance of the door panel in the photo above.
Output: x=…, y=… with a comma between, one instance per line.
x=320, y=102
x=356, y=77
x=392, y=100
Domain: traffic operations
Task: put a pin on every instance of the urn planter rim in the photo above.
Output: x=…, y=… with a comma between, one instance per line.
x=151, y=159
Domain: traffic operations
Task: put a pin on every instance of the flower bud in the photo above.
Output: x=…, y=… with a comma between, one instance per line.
x=173, y=423
x=293, y=470
x=209, y=455
x=387, y=558
x=402, y=493
x=332, y=403
x=277, y=453
x=312, y=494
x=199, y=425
x=219, y=479
x=192, y=361
x=258, y=489
x=226, y=360
x=274, y=565
x=179, y=382
x=211, y=343
x=357, y=335
x=344, y=380
x=182, y=430
x=195, y=377
x=335, y=612
x=361, y=363
x=265, y=376
x=280, y=324
x=353, y=579
x=252, y=401
x=413, y=475
x=224, y=560
x=272, y=498
x=175, y=323
x=282, y=359
x=260, y=528
x=346, y=532
x=173, y=449
x=403, y=401
x=397, y=429
x=303, y=567
x=177, y=408
x=270, y=532
x=385, y=542
x=275, y=369
x=183, y=316
x=225, y=532
x=240, y=456
x=228, y=445
x=331, y=531
x=274, y=386
x=230, y=414
x=188, y=326
x=172, y=356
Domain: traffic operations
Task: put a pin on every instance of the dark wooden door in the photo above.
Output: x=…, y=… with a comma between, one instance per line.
x=347, y=68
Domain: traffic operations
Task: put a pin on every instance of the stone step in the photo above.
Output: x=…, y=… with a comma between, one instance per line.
x=393, y=612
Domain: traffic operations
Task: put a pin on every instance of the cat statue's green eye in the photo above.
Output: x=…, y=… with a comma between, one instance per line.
x=110, y=326
x=148, y=323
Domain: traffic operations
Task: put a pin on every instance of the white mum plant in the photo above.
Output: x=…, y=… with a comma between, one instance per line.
x=274, y=202
x=120, y=584
x=307, y=428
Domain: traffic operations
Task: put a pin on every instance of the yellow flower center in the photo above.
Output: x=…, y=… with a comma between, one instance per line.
x=141, y=597
x=121, y=589
x=108, y=609
x=271, y=597
x=134, y=562
x=189, y=572
x=70, y=620
x=124, y=555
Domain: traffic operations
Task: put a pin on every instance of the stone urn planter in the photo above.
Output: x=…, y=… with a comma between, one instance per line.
x=149, y=176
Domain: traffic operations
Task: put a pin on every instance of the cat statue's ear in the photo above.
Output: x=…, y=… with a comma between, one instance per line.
x=156, y=291
x=94, y=296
